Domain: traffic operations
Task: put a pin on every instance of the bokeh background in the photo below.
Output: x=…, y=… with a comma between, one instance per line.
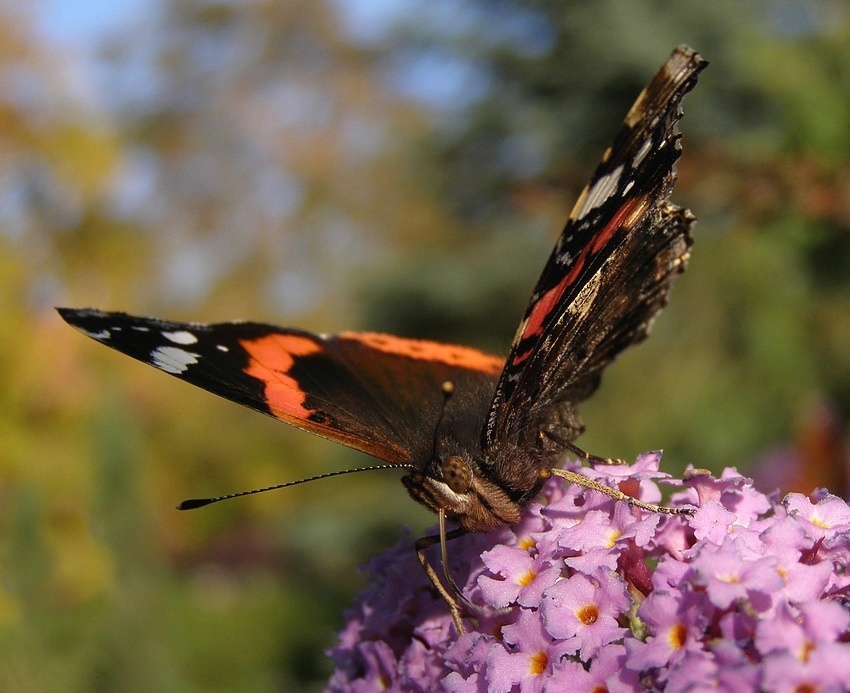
x=348, y=164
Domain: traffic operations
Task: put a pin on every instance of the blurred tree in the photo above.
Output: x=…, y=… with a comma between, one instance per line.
x=272, y=158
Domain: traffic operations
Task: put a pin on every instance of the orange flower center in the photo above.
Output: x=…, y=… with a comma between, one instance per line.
x=538, y=662
x=677, y=635
x=588, y=614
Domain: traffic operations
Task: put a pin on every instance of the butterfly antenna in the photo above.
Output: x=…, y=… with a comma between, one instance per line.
x=448, y=389
x=193, y=503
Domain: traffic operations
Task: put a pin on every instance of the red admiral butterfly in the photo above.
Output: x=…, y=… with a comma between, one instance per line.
x=477, y=435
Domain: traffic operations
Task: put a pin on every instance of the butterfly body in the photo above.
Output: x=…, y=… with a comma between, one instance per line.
x=480, y=491
x=481, y=453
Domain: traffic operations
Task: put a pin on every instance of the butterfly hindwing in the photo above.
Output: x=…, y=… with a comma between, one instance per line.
x=608, y=276
x=375, y=393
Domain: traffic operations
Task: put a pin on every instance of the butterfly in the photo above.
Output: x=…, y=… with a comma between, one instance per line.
x=478, y=435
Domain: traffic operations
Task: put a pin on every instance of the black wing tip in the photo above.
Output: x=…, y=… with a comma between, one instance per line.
x=92, y=322
x=193, y=503
x=74, y=316
x=68, y=314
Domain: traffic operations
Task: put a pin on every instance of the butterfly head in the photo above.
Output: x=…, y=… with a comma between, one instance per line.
x=459, y=484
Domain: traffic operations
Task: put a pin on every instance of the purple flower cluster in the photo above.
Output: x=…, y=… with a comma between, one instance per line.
x=587, y=594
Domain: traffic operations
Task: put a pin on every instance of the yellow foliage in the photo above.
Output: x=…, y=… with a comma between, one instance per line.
x=82, y=157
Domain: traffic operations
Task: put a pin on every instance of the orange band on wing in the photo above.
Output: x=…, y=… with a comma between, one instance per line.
x=272, y=358
x=449, y=354
x=625, y=218
x=622, y=218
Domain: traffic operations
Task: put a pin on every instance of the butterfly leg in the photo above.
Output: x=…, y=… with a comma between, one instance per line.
x=452, y=600
x=587, y=457
x=593, y=485
x=587, y=482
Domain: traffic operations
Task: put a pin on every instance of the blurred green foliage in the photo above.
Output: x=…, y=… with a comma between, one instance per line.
x=309, y=164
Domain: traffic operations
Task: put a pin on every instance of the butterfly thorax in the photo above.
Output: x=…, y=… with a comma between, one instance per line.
x=473, y=490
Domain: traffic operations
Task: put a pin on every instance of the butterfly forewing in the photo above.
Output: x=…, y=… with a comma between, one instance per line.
x=375, y=393
x=609, y=274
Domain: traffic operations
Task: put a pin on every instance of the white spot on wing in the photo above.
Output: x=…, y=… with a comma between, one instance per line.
x=221, y=347
x=180, y=337
x=599, y=193
x=642, y=152
x=582, y=302
x=173, y=359
x=141, y=328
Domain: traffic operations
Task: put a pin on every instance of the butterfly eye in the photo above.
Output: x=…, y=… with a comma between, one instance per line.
x=456, y=474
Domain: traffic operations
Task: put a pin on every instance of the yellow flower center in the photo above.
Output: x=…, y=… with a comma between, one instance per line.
x=526, y=543
x=526, y=578
x=819, y=522
x=613, y=535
